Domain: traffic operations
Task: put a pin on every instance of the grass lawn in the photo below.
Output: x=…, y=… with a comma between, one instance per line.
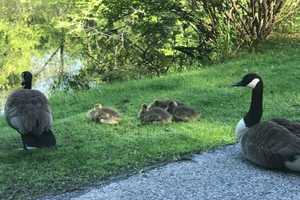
x=89, y=152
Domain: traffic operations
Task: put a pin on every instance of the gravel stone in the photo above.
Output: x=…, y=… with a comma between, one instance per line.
x=217, y=175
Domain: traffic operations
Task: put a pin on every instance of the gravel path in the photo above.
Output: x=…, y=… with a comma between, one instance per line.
x=217, y=175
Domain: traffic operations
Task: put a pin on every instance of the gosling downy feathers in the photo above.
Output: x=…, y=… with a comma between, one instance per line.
x=104, y=115
x=273, y=144
x=28, y=112
x=154, y=115
x=182, y=112
x=164, y=104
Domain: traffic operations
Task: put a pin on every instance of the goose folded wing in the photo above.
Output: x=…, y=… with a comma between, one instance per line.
x=292, y=126
x=280, y=142
x=269, y=144
x=35, y=122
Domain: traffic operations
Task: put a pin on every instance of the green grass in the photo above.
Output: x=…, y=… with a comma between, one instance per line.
x=89, y=152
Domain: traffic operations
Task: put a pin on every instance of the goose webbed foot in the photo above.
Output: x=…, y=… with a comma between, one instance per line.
x=24, y=144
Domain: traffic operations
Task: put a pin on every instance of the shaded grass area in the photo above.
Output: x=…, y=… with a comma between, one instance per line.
x=89, y=152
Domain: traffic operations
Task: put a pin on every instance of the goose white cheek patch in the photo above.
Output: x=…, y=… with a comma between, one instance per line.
x=253, y=83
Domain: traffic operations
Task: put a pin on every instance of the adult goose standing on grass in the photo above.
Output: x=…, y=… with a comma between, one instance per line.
x=273, y=144
x=27, y=111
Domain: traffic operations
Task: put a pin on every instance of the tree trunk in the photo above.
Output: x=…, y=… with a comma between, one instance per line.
x=62, y=62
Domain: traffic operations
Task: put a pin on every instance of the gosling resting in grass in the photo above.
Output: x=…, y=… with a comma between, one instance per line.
x=154, y=115
x=28, y=112
x=104, y=115
x=182, y=113
x=164, y=104
x=273, y=144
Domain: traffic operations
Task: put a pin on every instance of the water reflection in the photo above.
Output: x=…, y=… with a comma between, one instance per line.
x=45, y=79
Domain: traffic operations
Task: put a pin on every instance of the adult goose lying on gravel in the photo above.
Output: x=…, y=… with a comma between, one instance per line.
x=28, y=112
x=273, y=144
x=104, y=115
x=154, y=115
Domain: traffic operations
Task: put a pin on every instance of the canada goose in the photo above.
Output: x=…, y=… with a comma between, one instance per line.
x=154, y=114
x=104, y=115
x=28, y=112
x=164, y=104
x=273, y=144
x=182, y=112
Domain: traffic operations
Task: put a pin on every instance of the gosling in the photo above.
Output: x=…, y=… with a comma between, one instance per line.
x=154, y=115
x=104, y=115
x=182, y=113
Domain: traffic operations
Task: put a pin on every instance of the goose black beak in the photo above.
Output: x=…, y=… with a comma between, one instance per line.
x=238, y=84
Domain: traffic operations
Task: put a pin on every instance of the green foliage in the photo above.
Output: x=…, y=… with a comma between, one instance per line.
x=254, y=20
x=291, y=23
x=130, y=39
x=125, y=36
x=28, y=29
x=15, y=53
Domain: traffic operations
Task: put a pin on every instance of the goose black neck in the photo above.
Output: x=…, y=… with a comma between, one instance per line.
x=256, y=108
x=27, y=85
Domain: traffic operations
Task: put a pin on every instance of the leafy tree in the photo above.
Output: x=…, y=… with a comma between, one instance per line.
x=122, y=39
x=17, y=41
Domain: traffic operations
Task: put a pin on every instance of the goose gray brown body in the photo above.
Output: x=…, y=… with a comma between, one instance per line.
x=27, y=111
x=273, y=144
x=270, y=145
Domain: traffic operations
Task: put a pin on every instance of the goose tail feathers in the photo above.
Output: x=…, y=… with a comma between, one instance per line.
x=45, y=140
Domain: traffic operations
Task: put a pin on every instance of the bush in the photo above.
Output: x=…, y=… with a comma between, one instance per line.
x=254, y=20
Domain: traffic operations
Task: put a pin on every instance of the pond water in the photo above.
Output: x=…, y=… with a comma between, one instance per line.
x=46, y=78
